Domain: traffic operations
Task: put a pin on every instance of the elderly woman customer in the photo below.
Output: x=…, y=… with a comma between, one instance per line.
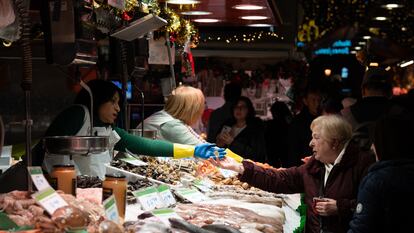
x=182, y=110
x=329, y=180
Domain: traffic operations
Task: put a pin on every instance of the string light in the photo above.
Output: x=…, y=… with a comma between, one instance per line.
x=251, y=37
x=331, y=15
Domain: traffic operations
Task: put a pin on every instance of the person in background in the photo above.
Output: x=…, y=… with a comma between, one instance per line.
x=385, y=194
x=232, y=92
x=244, y=132
x=329, y=180
x=376, y=91
x=276, y=131
x=299, y=133
x=74, y=121
x=181, y=111
x=331, y=106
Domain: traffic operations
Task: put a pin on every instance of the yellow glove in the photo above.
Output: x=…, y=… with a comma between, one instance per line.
x=183, y=151
x=234, y=156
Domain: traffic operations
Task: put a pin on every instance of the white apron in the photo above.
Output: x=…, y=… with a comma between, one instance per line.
x=93, y=164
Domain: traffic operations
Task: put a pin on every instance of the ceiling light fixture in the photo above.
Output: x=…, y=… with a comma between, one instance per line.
x=206, y=20
x=353, y=52
x=373, y=64
x=182, y=2
x=196, y=13
x=259, y=25
x=392, y=6
x=404, y=64
x=254, y=17
x=248, y=7
x=362, y=42
x=403, y=29
x=388, y=68
x=366, y=37
x=357, y=48
x=380, y=18
x=327, y=72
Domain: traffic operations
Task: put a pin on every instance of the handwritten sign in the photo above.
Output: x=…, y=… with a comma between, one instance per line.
x=38, y=178
x=165, y=214
x=192, y=195
x=49, y=199
x=149, y=198
x=227, y=173
x=166, y=195
x=111, y=211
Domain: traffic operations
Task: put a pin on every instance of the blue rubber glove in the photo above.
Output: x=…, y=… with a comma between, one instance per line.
x=208, y=150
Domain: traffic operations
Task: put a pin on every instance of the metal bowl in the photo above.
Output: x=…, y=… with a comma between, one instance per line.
x=147, y=133
x=75, y=145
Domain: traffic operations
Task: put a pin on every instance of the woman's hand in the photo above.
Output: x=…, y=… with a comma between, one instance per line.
x=326, y=207
x=224, y=138
x=229, y=164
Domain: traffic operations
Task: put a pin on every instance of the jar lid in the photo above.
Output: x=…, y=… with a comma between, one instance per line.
x=64, y=165
x=115, y=175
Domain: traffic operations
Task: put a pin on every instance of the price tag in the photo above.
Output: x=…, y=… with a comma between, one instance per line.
x=38, y=178
x=165, y=214
x=134, y=161
x=202, y=185
x=166, y=195
x=111, y=211
x=192, y=195
x=49, y=199
x=227, y=173
x=149, y=198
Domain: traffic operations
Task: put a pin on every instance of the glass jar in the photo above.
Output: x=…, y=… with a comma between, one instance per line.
x=63, y=177
x=115, y=184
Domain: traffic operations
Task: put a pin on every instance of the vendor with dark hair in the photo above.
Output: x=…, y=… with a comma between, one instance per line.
x=75, y=121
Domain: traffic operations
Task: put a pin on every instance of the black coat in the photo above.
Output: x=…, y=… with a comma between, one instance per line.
x=385, y=199
x=299, y=137
x=250, y=142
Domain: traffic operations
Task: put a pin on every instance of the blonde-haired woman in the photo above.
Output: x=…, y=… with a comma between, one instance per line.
x=330, y=178
x=182, y=110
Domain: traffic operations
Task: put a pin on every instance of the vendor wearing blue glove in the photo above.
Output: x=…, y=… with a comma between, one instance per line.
x=74, y=121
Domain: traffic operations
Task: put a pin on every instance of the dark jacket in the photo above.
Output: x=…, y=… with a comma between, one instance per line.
x=299, y=137
x=385, y=198
x=342, y=185
x=276, y=141
x=366, y=109
x=250, y=142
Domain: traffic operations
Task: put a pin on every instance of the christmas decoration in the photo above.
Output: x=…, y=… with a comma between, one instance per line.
x=330, y=15
x=243, y=37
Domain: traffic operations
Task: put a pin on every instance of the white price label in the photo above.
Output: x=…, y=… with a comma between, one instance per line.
x=120, y=4
x=111, y=210
x=49, y=199
x=192, y=195
x=199, y=184
x=149, y=198
x=165, y=214
x=227, y=173
x=38, y=178
x=166, y=195
x=134, y=161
